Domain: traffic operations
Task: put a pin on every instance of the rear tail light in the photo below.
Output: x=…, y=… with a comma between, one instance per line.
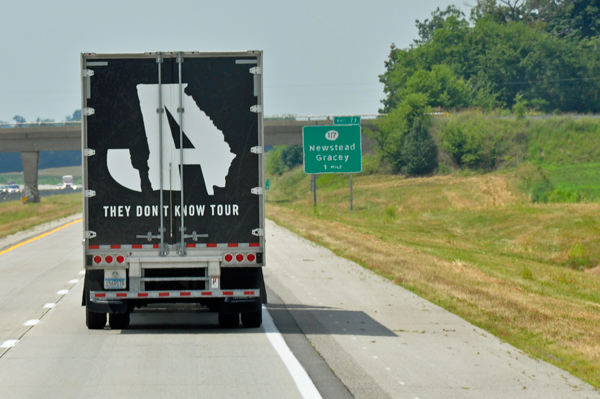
x=97, y=259
x=120, y=259
x=251, y=257
x=239, y=257
x=228, y=258
x=108, y=259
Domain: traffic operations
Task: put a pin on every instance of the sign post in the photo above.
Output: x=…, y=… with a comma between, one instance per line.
x=332, y=149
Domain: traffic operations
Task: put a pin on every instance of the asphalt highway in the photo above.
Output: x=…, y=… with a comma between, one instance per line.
x=339, y=331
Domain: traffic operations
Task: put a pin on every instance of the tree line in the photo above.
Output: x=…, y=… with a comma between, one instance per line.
x=512, y=55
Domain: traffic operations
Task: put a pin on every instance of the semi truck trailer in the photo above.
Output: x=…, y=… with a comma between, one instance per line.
x=173, y=177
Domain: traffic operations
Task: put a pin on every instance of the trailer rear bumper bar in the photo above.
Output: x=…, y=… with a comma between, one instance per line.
x=109, y=296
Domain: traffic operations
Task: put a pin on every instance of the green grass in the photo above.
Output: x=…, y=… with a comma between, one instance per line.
x=16, y=216
x=582, y=178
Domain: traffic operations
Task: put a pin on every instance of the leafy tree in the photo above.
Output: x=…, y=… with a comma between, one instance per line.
x=495, y=61
x=274, y=164
x=19, y=119
x=75, y=117
x=439, y=19
x=392, y=129
x=419, y=152
x=519, y=106
x=292, y=155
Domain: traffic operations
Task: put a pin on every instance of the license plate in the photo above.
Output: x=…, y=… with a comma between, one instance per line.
x=114, y=279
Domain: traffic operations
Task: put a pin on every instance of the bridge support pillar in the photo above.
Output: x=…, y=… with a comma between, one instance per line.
x=31, y=160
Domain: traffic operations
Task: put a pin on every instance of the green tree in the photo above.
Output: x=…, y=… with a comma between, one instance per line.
x=292, y=155
x=419, y=152
x=393, y=128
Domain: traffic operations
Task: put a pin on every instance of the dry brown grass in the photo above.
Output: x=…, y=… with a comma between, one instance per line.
x=502, y=273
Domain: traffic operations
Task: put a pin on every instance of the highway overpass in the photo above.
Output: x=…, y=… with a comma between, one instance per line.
x=30, y=140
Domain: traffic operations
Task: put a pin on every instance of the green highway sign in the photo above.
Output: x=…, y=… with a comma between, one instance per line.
x=332, y=149
x=346, y=120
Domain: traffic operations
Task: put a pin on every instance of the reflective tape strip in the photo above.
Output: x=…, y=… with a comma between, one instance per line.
x=174, y=294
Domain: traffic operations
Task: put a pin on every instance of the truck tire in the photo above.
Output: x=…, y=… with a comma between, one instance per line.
x=229, y=320
x=118, y=321
x=93, y=320
x=252, y=319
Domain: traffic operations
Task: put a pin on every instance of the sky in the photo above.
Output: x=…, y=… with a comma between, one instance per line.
x=321, y=57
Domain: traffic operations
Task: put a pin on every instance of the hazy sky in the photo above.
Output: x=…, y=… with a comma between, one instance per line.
x=321, y=57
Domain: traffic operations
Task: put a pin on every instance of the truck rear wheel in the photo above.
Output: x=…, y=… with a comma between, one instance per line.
x=252, y=319
x=119, y=321
x=229, y=320
x=93, y=320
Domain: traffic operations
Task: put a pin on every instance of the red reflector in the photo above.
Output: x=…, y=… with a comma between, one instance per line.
x=227, y=292
x=228, y=258
x=94, y=246
x=185, y=294
x=120, y=259
x=108, y=259
x=255, y=244
x=115, y=247
x=163, y=294
x=190, y=245
x=211, y=245
x=251, y=257
x=248, y=292
x=239, y=257
x=155, y=246
x=137, y=246
x=232, y=245
x=206, y=293
x=142, y=294
x=121, y=295
x=100, y=295
x=97, y=259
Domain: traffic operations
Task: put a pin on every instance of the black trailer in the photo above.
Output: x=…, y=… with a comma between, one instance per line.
x=173, y=181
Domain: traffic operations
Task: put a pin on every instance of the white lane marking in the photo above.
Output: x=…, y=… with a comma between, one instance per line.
x=9, y=344
x=31, y=322
x=62, y=292
x=49, y=305
x=303, y=382
x=74, y=281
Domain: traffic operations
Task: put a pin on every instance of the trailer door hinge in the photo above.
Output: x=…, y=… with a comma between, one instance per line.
x=87, y=73
x=256, y=70
x=89, y=193
x=88, y=152
x=257, y=150
x=257, y=191
x=89, y=111
x=258, y=232
x=256, y=108
x=90, y=234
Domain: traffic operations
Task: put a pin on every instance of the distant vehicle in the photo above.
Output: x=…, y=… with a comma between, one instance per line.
x=11, y=188
x=67, y=182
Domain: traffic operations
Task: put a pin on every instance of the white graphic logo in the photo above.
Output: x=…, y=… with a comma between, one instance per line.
x=211, y=151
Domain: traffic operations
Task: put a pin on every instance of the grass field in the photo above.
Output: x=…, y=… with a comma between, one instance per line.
x=473, y=245
x=15, y=217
